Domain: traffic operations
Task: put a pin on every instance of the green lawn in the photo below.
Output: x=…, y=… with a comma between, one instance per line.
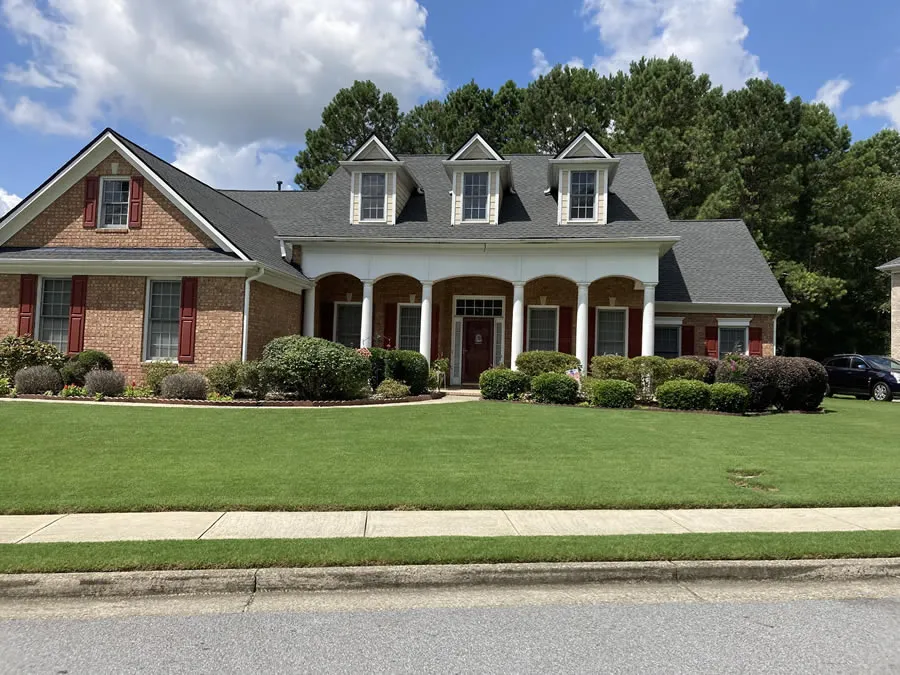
x=159, y=555
x=69, y=457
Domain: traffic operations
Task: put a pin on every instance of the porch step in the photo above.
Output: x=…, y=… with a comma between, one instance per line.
x=460, y=391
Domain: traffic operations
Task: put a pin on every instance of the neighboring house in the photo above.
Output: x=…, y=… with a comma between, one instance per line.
x=475, y=257
x=893, y=268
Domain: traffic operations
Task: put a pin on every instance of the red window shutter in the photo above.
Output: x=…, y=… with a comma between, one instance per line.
x=635, y=319
x=687, y=340
x=565, y=330
x=187, y=324
x=27, y=301
x=76, y=314
x=435, y=331
x=390, y=326
x=136, y=203
x=326, y=320
x=91, y=191
x=712, y=341
x=756, y=341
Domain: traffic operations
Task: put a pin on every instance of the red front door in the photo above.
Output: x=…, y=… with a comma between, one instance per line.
x=477, y=347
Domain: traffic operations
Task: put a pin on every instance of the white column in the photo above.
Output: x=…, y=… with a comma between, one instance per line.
x=425, y=323
x=518, y=322
x=365, y=328
x=582, y=320
x=648, y=329
x=309, y=311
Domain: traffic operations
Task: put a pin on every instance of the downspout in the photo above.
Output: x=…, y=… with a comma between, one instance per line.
x=246, y=330
x=778, y=312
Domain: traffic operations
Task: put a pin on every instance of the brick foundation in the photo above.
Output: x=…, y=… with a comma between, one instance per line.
x=273, y=313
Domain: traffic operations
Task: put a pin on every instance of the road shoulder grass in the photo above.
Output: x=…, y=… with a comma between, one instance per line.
x=258, y=553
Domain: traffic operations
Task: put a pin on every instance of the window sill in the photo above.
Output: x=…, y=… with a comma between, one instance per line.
x=151, y=361
x=109, y=228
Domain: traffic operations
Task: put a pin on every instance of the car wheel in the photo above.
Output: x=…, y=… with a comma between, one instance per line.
x=881, y=392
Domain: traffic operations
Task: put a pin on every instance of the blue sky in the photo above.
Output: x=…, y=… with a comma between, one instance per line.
x=226, y=89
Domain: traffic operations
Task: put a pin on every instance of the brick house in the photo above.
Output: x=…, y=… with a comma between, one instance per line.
x=893, y=268
x=475, y=257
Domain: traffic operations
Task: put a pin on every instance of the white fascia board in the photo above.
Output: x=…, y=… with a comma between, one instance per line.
x=662, y=242
x=584, y=135
x=468, y=144
x=283, y=281
x=374, y=140
x=580, y=163
x=721, y=307
x=79, y=168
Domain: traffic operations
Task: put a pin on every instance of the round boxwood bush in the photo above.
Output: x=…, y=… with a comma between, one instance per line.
x=727, y=397
x=683, y=395
x=612, y=367
x=648, y=373
x=314, y=369
x=225, y=378
x=38, y=380
x=392, y=389
x=105, y=382
x=23, y=352
x=554, y=388
x=156, y=372
x=500, y=384
x=409, y=367
x=818, y=383
x=535, y=363
x=185, y=386
x=757, y=374
x=688, y=369
x=76, y=369
x=610, y=393
x=708, y=362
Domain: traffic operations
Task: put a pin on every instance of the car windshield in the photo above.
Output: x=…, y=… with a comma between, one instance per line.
x=884, y=362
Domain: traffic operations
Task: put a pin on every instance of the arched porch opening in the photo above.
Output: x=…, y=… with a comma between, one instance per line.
x=338, y=308
x=549, y=314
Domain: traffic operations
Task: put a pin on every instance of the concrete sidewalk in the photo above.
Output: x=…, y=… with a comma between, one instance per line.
x=83, y=527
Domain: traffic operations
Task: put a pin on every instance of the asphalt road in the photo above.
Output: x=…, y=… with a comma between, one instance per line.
x=658, y=628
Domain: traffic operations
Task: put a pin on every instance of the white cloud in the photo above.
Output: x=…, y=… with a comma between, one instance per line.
x=540, y=65
x=832, y=92
x=255, y=166
x=888, y=108
x=210, y=71
x=7, y=201
x=709, y=33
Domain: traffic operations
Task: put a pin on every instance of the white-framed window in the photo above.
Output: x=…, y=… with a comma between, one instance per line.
x=734, y=336
x=373, y=196
x=114, y=194
x=53, y=315
x=409, y=323
x=347, y=322
x=475, y=195
x=162, y=313
x=582, y=195
x=612, y=331
x=667, y=337
x=543, y=328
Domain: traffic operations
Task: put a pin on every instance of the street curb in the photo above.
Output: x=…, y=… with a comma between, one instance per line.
x=183, y=582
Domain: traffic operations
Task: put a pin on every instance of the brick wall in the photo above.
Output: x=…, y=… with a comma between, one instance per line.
x=273, y=313
x=62, y=223
x=701, y=321
x=335, y=288
x=220, y=321
x=895, y=315
x=443, y=293
x=551, y=291
x=395, y=289
x=9, y=304
x=114, y=321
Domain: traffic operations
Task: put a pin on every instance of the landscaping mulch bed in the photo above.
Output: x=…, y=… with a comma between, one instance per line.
x=242, y=403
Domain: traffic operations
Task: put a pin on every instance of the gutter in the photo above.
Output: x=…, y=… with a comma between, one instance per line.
x=544, y=240
x=246, y=327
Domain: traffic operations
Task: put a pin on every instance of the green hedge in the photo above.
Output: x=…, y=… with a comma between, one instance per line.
x=649, y=372
x=554, y=388
x=535, y=363
x=156, y=372
x=76, y=369
x=688, y=369
x=788, y=383
x=500, y=384
x=683, y=395
x=728, y=398
x=314, y=369
x=610, y=367
x=408, y=367
x=392, y=389
x=24, y=352
x=610, y=393
x=708, y=362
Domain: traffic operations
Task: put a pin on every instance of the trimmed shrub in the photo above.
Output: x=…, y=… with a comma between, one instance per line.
x=649, y=372
x=610, y=393
x=554, y=388
x=683, y=395
x=728, y=398
x=377, y=365
x=408, y=367
x=225, y=378
x=38, y=380
x=17, y=353
x=535, y=363
x=392, y=389
x=251, y=381
x=612, y=367
x=77, y=367
x=818, y=383
x=442, y=364
x=185, y=386
x=709, y=363
x=500, y=384
x=4, y=387
x=156, y=372
x=314, y=369
x=757, y=374
x=688, y=369
x=109, y=383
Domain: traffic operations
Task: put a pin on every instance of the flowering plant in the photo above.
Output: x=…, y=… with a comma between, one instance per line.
x=364, y=351
x=72, y=390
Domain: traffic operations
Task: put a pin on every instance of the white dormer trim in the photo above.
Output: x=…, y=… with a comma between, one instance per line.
x=364, y=148
x=352, y=193
x=595, y=219
x=458, y=155
x=584, y=137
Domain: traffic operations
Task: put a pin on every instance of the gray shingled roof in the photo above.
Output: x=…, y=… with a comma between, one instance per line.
x=248, y=230
x=109, y=254
x=892, y=265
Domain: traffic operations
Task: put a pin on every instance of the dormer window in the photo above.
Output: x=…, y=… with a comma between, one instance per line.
x=475, y=195
x=583, y=195
x=373, y=193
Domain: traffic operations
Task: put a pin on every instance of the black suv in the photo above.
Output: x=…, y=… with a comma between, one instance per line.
x=865, y=377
